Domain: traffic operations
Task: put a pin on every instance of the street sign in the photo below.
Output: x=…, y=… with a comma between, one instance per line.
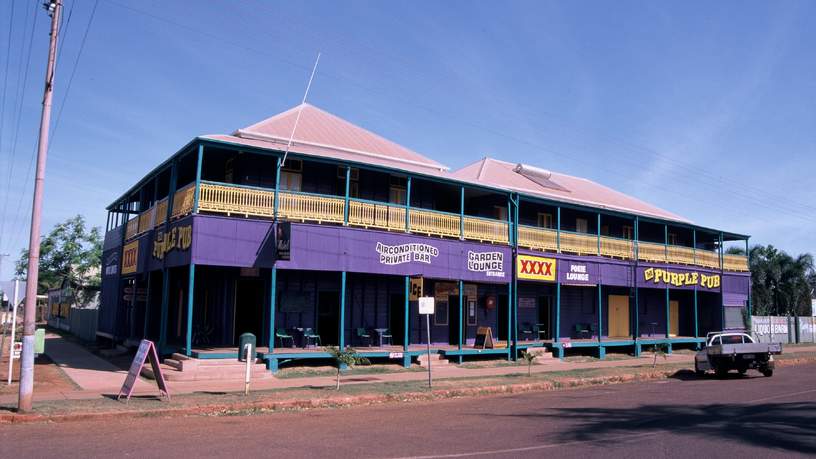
x=426, y=305
x=17, y=349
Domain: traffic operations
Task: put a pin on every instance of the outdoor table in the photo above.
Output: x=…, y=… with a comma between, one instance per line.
x=652, y=325
x=302, y=338
x=380, y=332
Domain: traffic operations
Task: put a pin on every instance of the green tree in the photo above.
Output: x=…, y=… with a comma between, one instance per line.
x=347, y=357
x=70, y=251
x=781, y=284
x=529, y=357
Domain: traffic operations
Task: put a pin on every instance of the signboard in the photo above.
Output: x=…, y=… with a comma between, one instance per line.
x=471, y=312
x=442, y=290
x=130, y=257
x=426, y=305
x=666, y=277
x=416, y=289
x=490, y=263
x=175, y=238
x=526, y=302
x=406, y=253
x=395, y=355
x=484, y=338
x=283, y=235
x=147, y=350
x=530, y=267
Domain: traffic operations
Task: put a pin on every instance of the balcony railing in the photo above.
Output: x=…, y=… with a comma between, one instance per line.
x=735, y=262
x=535, y=238
x=581, y=244
x=260, y=202
x=617, y=248
x=378, y=215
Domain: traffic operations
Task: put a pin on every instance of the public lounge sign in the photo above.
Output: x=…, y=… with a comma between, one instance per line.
x=681, y=278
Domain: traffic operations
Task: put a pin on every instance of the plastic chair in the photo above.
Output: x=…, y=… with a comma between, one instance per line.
x=309, y=334
x=527, y=330
x=281, y=335
x=538, y=331
x=362, y=334
x=387, y=335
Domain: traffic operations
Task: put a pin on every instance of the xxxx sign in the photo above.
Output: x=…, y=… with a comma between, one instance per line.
x=535, y=268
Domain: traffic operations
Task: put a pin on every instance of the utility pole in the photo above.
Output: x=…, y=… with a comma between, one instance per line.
x=54, y=8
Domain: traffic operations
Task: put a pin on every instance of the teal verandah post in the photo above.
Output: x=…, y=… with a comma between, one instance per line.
x=273, y=289
x=165, y=272
x=341, y=337
x=750, y=303
x=721, y=253
x=461, y=325
x=406, y=358
x=197, y=190
x=694, y=245
x=600, y=312
x=558, y=230
x=190, y=301
x=696, y=331
x=668, y=316
x=147, y=306
x=599, y=234
x=637, y=238
x=346, y=206
x=509, y=318
x=277, y=189
x=557, y=312
x=666, y=243
x=461, y=212
x=408, y=205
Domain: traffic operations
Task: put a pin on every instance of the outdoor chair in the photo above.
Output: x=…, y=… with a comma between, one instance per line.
x=592, y=330
x=581, y=330
x=309, y=334
x=386, y=335
x=538, y=331
x=362, y=334
x=527, y=330
x=282, y=336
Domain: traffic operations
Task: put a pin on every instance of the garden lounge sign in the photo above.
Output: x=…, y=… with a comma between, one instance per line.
x=681, y=279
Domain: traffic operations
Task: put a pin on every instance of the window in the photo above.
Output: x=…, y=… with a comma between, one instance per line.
x=354, y=190
x=293, y=165
x=290, y=181
x=397, y=195
x=672, y=239
x=545, y=220
x=354, y=186
x=341, y=173
x=500, y=212
x=581, y=225
x=626, y=232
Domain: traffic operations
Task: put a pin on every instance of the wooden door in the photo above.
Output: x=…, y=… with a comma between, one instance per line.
x=618, y=316
x=674, y=318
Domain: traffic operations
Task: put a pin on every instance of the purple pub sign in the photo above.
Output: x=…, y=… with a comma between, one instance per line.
x=246, y=243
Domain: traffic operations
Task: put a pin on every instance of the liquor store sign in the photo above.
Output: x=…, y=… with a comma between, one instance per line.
x=130, y=257
x=681, y=278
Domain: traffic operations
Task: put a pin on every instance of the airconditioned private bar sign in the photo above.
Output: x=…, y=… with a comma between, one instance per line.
x=681, y=279
x=406, y=253
x=535, y=268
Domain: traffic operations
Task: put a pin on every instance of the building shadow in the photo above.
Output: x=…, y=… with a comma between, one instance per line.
x=781, y=426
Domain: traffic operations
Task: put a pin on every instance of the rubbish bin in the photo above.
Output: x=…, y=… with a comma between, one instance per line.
x=39, y=341
x=243, y=340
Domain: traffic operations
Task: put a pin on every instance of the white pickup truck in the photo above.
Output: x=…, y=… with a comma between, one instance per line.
x=726, y=351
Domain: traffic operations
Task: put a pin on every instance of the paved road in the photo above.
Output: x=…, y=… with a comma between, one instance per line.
x=688, y=417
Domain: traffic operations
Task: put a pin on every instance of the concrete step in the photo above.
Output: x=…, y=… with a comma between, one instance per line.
x=183, y=368
x=436, y=360
x=541, y=354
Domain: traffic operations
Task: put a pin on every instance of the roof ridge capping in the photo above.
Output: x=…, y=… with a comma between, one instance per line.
x=250, y=133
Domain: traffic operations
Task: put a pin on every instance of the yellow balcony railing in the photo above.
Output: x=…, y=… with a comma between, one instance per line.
x=161, y=211
x=483, y=229
x=146, y=221
x=132, y=228
x=581, y=244
x=376, y=215
x=735, y=262
x=434, y=223
x=708, y=259
x=648, y=251
x=303, y=207
x=617, y=248
x=536, y=238
x=236, y=200
x=681, y=255
x=183, y=201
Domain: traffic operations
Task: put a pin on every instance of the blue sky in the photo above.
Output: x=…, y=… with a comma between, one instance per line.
x=706, y=109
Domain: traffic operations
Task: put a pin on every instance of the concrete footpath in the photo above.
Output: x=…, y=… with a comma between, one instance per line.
x=97, y=378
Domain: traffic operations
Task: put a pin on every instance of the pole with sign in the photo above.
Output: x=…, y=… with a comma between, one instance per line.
x=426, y=307
x=12, y=355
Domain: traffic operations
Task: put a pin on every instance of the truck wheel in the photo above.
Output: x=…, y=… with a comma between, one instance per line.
x=721, y=372
x=767, y=372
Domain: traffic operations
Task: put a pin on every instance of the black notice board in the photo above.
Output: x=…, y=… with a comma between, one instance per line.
x=484, y=338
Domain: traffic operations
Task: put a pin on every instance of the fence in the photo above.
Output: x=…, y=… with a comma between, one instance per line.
x=782, y=329
x=83, y=323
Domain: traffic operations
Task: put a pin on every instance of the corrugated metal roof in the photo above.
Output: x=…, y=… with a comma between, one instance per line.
x=322, y=134
x=500, y=174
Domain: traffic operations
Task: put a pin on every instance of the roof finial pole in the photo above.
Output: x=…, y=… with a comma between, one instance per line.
x=300, y=110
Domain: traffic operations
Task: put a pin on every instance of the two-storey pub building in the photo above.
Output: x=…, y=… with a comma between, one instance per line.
x=333, y=245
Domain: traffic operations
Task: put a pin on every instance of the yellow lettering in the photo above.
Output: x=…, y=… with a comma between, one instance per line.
x=649, y=274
